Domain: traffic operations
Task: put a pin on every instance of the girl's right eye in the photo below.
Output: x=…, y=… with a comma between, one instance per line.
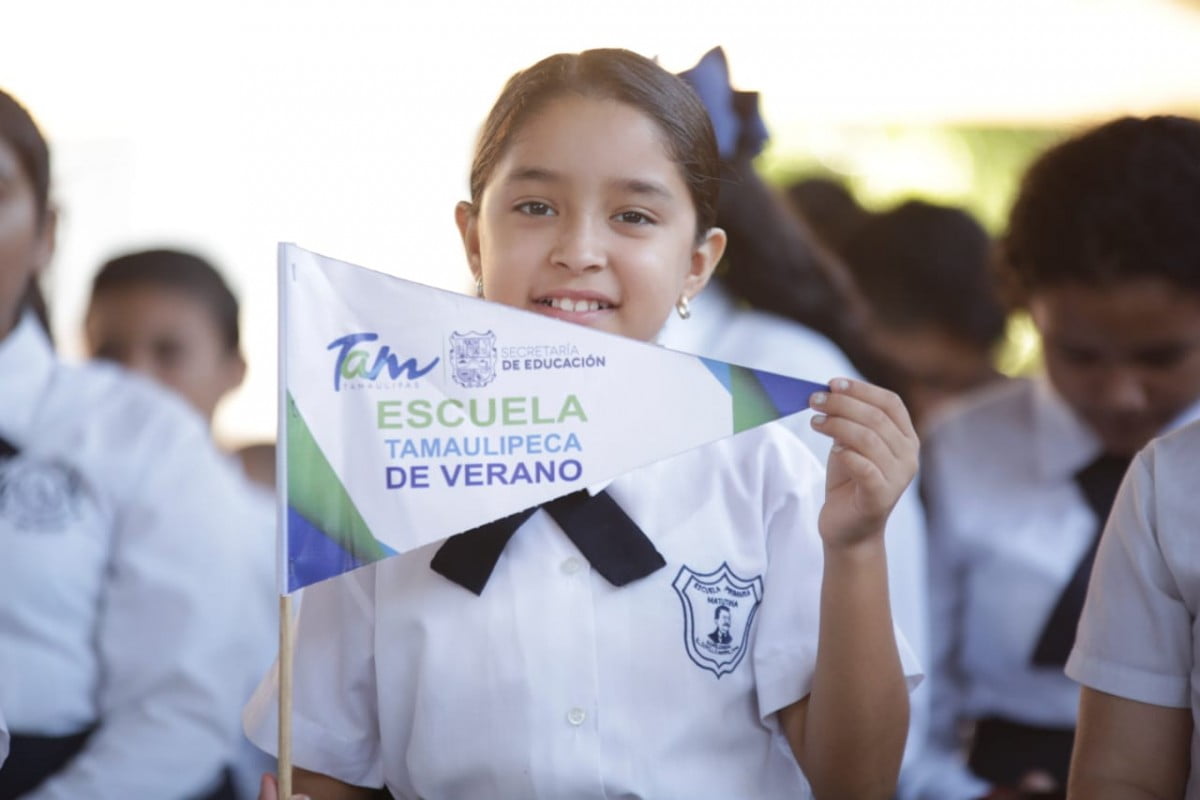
x=535, y=208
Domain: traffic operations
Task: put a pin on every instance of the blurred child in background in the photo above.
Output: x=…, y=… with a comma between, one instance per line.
x=169, y=315
x=936, y=316
x=1103, y=247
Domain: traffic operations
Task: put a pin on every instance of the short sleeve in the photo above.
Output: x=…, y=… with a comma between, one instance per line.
x=335, y=726
x=1134, y=638
x=785, y=650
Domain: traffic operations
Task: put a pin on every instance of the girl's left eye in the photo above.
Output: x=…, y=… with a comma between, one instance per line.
x=536, y=209
x=634, y=218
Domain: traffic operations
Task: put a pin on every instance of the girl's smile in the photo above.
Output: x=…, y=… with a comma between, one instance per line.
x=575, y=306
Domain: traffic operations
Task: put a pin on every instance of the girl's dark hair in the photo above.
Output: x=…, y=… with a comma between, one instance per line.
x=618, y=75
x=1118, y=202
x=926, y=265
x=828, y=207
x=776, y=264
x=177, y=271
x=18, y=129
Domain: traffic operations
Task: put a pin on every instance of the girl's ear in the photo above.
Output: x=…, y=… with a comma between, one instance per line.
x=468, y=228
x=234, y=372
x=705, y=257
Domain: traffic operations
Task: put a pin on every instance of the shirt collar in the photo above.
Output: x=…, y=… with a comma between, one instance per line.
x=27, y=362
x=1064, y=442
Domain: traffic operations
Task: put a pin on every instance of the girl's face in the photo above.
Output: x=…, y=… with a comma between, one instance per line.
x=1125, y=357
x=587, y=219
x=25, y=245
x=168, y=336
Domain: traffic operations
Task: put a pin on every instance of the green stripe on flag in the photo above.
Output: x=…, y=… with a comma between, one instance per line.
x=316, y=492
x=752, y=405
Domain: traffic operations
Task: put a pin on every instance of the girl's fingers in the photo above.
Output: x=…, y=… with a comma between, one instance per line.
x=851, y=406
x=877, y=397
x=865, y=473
x=853, y=435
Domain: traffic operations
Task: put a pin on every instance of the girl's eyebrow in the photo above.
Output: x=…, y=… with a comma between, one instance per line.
x=642, y=186
x=539, y=174
x=634, y=185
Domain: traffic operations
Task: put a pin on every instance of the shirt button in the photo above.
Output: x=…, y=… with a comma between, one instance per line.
x=572, y=565
x=576, y=716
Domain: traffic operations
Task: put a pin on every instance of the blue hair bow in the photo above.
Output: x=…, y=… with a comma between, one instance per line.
x=735, y=119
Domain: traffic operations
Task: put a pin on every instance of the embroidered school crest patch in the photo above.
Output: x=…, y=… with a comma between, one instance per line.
x=718, y=609
x=38, y=496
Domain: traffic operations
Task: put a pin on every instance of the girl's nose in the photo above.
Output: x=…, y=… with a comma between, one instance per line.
x=579, y=246
x=1122, y=389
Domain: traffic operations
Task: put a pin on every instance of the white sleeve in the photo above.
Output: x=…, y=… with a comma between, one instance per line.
x=170, y=637
x=785, y=652
x=785, y=649
x=335, y=723
x=1135, y=634
x=938, y=769
x=908, y=589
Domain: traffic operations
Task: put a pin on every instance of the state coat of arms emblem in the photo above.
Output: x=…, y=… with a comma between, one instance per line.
x=473, y=358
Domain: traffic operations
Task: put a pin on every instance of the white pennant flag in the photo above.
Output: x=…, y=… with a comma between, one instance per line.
x=409, y=414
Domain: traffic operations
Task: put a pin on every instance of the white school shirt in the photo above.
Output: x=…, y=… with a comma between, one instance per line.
x=554, y=683
x=122, y=576
x=3, y=739
x=262, y=615
x=1139, y=636
x=1008, y=526
x=720, y=328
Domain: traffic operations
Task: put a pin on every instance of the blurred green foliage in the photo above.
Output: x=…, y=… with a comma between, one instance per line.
x=974, y=167
x=978, y=168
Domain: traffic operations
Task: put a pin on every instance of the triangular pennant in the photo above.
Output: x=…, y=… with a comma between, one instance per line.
x=409, y=413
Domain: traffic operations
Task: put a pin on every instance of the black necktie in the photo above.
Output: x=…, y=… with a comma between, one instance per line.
x=612, y=542
x=1099, y=482
x=7, y=449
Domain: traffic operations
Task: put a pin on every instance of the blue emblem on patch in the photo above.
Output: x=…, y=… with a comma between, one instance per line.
x=718, y=609
x=473, y=358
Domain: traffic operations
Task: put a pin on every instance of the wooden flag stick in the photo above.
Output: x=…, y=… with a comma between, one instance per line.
x=285, y=697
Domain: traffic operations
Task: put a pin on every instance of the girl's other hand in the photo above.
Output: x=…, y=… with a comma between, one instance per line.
x=874, y=457
x=268, y=789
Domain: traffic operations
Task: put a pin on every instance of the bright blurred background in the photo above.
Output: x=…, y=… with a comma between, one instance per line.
x=226, y=126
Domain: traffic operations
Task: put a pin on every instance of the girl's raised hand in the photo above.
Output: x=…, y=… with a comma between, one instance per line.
x=874, y=457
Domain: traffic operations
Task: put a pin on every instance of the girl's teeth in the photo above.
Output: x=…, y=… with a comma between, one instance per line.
x=566, y=304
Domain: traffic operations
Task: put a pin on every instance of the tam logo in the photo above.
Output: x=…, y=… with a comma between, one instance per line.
x=361, y=363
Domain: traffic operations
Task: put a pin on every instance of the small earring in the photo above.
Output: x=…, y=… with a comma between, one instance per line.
x=681, y=307
x=479, y=286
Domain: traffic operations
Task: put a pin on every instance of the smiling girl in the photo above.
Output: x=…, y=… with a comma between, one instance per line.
x=593, y=195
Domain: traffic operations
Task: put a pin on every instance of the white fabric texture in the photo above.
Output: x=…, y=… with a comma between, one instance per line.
x=1139, y=634
x=124, y=576
x=1007, y=526
x=555, y=684
x=719, y=328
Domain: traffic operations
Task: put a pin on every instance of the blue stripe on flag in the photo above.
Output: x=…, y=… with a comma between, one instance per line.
x=720, y=371
x=313, y=556
x=788, y=395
